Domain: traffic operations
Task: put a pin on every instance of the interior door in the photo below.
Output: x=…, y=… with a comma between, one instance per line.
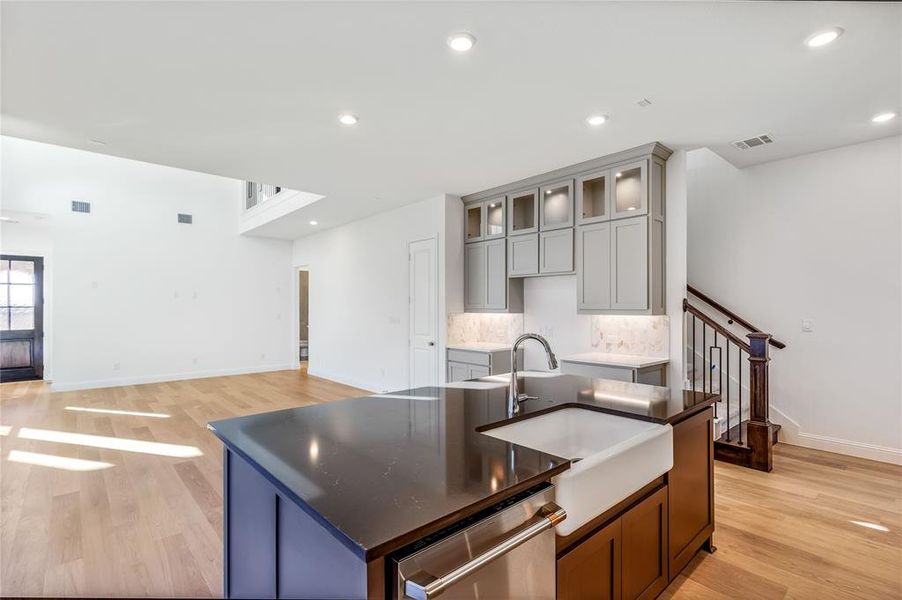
x=423, y=267
x=21, y=318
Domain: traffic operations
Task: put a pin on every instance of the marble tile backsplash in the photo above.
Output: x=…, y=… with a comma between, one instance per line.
x=484, y=327
x=639, y=335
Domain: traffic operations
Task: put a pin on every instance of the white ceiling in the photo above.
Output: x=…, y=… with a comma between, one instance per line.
x=252, y=90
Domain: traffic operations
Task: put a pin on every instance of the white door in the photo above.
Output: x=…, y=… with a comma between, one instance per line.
x=423, y=266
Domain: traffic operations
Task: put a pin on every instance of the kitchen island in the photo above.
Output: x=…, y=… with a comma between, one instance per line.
x=317, y=497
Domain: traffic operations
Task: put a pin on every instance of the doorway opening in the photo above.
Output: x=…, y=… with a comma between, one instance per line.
x=303, y=318
x=21, y=318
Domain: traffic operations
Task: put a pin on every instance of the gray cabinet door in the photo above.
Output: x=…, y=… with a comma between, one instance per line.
x=523, y=212
x=496, y=274
x=474, y=222
x=629, y=194
x=593, y=267
x=475, y=276
x=593, y=197
x=523, y=251
x=556, y=205
x=629, y=260
x=458, y=371
x=556, y=251
x=478, y=371
x=495, y=218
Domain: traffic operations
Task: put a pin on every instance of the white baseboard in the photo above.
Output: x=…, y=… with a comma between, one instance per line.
x=368, y=386
x=68, y=386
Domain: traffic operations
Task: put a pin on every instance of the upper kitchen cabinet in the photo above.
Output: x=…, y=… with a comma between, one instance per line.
x=556, y=205
x=474, y=222
x=484, y=220
x=629, y=197
x=523, y=212
x=494, y=218
x=486, y=285
x=593, y=197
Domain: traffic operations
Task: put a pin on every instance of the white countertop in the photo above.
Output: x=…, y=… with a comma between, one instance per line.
x=630, y=361
x=480, y=346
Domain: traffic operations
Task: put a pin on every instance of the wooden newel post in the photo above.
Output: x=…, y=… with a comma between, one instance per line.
x=760, y=436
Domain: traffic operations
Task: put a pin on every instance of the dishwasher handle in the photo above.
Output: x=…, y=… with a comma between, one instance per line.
x=425, y=586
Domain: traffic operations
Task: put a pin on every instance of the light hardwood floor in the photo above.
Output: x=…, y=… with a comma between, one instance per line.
x=151, y=524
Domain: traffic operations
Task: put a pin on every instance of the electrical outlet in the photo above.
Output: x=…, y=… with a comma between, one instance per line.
x=116, y=366
x=807, y=325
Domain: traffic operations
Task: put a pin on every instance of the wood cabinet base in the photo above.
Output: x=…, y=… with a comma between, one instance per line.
x=635, y=549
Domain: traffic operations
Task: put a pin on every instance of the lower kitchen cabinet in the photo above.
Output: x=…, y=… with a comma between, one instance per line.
x=624, y=560
x=691, y=488
x=591, y=571
x=463, y=364
x=644, y=548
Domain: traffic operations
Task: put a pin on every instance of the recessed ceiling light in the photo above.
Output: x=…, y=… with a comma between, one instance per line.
x=884, y=117
x=596, y=120
x=618, y=174
x=314, y=222
x=348, y=119
x=461, y=42
x=822, y=38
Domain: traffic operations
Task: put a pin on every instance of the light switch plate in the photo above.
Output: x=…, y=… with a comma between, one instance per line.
x=807, y=325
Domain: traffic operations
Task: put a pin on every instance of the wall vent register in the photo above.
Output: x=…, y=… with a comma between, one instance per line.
x=81, y=206
x=186, y=218
x=753, y=142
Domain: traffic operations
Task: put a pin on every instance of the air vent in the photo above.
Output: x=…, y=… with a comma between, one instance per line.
x=185, y=218
x=81, y=206
x=752, y=142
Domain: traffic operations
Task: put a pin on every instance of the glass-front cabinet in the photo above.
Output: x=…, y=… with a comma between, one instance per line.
x=556, y=205
x=494, y=218
x=629, y=196
x=475, y=222
x=593, y=197
x=523, y=212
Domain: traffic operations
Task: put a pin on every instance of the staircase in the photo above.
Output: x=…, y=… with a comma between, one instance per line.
x=719, y=361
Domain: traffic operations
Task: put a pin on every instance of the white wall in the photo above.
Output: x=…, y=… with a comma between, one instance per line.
x=813, y=237
x=133, y=295
x=675, y=272
x=358, y=292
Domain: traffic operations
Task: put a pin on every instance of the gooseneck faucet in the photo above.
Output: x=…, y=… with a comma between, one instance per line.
x=514, y=397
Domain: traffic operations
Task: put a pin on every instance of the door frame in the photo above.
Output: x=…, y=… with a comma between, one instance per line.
x=295, y=317
x=438, y=345
x=36, y=372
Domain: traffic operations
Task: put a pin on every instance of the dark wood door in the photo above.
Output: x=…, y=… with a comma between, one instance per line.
x=21, y=317
x=644, y=548
x=691, y=487
x=591, y=570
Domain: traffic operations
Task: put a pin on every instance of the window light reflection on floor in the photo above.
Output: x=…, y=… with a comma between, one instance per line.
x=112, y=411
x=5, y=429
x=57, y=462
x=111, y=443
x=869, y=525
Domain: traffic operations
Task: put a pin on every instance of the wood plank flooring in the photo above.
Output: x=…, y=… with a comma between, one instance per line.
x=148, y=520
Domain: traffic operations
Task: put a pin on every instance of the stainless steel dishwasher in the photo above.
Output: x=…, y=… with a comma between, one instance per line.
x=506, y=551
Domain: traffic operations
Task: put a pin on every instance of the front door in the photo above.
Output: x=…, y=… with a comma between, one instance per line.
x=21, y=317
x=423, y=308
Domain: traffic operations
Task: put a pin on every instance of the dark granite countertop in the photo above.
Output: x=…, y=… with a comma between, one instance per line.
x=381, y=471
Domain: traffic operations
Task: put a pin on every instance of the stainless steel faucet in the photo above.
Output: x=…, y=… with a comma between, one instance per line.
x=514, y=397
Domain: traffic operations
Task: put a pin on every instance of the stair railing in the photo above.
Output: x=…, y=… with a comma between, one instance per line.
x=716, y=359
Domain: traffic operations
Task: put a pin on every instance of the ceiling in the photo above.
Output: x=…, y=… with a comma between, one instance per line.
x=252, y=90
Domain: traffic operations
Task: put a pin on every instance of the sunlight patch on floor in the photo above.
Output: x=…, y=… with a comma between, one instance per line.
x=111, y=411
x=110, y=443
x=56, y=462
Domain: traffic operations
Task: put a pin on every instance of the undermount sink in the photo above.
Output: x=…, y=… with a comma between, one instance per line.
x=616, y=457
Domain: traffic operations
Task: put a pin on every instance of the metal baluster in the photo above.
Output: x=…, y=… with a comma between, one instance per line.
x=704, y=352
x=693, y=355
x=728, y=383
x=740, y=395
